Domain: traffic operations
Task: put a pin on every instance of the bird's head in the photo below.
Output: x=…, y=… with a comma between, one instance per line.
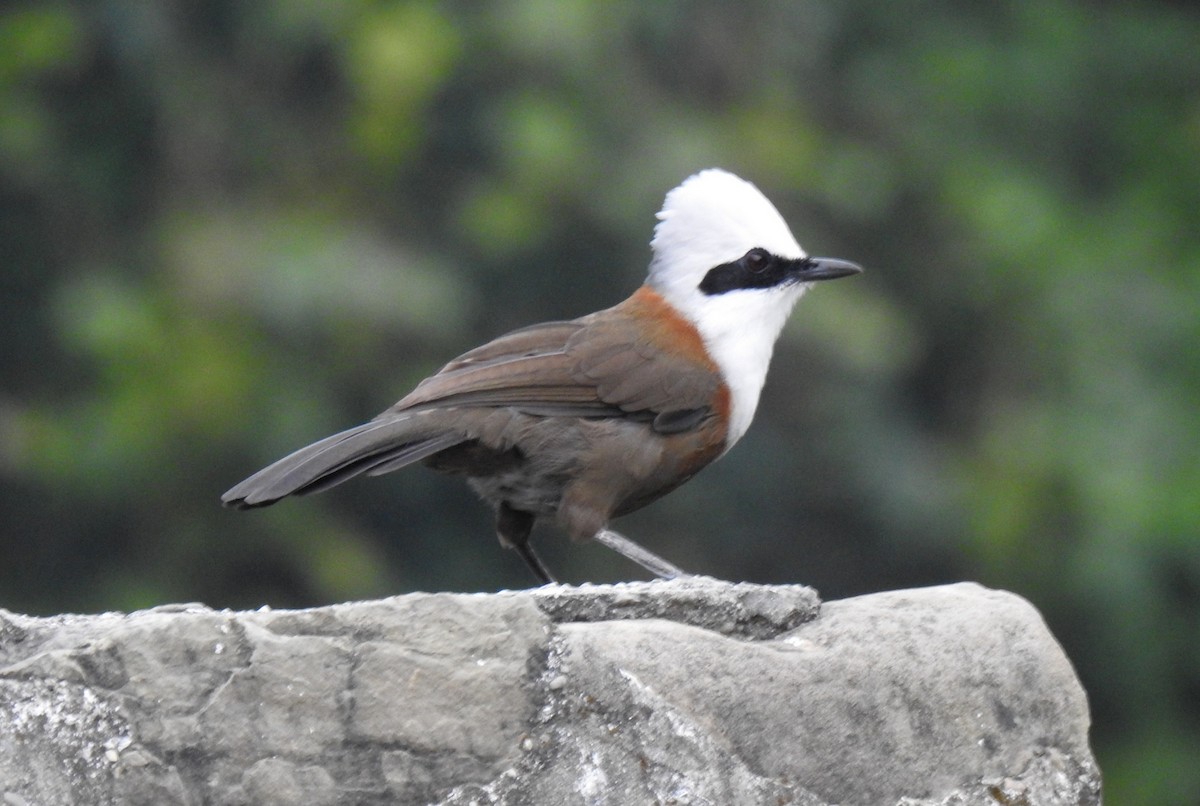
x=720, y=244
x=726, y=260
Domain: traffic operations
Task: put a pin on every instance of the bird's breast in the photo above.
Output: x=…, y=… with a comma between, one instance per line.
x=687, y=365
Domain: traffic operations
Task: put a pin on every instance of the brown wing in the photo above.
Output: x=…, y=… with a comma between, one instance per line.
x=638, y=359
x=606, y=364
x=527, y=369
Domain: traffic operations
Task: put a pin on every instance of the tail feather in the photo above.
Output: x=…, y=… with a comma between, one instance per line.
x=376, y=447
x=384, y=462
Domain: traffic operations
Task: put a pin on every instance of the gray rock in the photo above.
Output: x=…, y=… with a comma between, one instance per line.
x=692, y=691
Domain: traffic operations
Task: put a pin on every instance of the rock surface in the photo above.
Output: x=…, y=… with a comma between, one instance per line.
x=692, y=691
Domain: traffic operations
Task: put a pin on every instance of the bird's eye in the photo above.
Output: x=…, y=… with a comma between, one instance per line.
x=756, y=260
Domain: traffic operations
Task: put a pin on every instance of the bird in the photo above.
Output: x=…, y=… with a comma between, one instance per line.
x=585, y=420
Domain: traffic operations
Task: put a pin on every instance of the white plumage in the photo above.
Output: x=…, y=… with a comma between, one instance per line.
x=714, y=217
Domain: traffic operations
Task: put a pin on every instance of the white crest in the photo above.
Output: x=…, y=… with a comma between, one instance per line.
x=714, y=218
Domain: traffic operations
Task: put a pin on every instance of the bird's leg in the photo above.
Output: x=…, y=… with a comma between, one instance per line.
x=513, y=527
x=643, y=557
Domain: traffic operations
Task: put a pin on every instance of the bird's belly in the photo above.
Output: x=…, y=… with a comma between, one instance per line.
x=522, y=489
x=584, y=471
x=518, y=459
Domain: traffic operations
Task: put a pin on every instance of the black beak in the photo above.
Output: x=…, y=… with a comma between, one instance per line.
x=825, y=268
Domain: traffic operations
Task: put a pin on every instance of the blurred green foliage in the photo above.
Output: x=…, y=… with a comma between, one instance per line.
x=228, y=229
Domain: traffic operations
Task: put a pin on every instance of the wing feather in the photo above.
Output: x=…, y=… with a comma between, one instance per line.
x=602, y=365
x=617, y=363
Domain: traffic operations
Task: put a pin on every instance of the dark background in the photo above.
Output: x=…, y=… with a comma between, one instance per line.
x=228, y=229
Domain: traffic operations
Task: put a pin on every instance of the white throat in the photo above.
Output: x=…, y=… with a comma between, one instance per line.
x=740, y=336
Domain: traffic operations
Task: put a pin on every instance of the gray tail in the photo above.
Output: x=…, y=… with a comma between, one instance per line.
x=379, y=446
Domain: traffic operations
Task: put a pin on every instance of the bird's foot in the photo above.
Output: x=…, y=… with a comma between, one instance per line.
x=643, y=557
